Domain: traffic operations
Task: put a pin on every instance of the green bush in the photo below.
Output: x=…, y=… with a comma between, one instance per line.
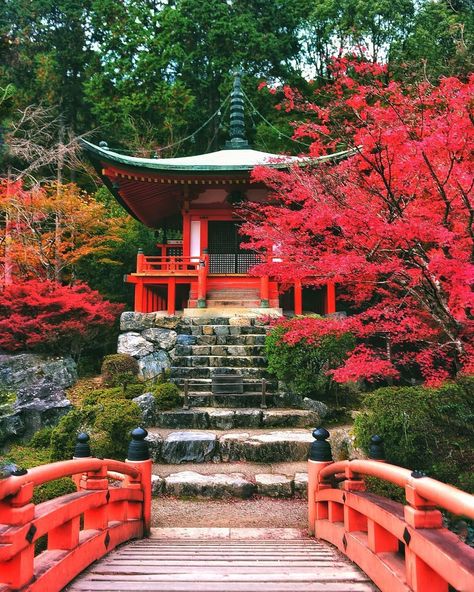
x=423, y=428
x=303, y=366
x=63, y=436
x=111, y=432
x=166, y=396
x=119, y=370
x=114, y=393
x=41, y=439
x=53, y=489
x=134, y=390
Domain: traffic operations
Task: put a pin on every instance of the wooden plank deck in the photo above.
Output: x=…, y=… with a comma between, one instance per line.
x=224, y=560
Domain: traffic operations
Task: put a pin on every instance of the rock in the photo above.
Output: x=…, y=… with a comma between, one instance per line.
x=181, y=447
x=182, y=418
x=190, y=483
x=157, y=485
x=301, y=484
x=134, y=345
x=186, y=339
x=11, y=426
x=342, y=444
x=207, y=330
x=290, y=418
x=231, y=446
x=153, y=365
x=166, y=322
x=136, y=321
x=277, y=447
x=39, y=383
x=247, y=418
x=221, y=419
x=274, y=485
x=146, y=402
x=155, y=444
x=164, y=338
x=317, y=406
x=221, y=329
x=240, y=322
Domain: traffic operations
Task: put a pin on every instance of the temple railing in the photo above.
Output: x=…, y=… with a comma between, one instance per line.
x=112, y=505
x=167, y=265
x=401, y=547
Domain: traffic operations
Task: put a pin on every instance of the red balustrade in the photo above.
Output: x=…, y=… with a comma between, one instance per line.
x=167, y=265
x=400, y=547
x=112, y=505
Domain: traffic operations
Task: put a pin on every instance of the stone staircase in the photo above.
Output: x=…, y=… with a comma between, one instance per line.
x=246, y=298
x=211, y=347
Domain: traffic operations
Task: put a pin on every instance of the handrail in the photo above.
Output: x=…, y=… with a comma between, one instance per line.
x=401, y=547
x=66, y=468
x=440, y=494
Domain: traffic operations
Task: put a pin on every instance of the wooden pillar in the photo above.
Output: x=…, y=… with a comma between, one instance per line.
x=330, y=303
x=139, y=295
x=141, y=262
x=298, y=304
x=186, y=234
x=264, y=291
x=171, y=296
x=202, y=280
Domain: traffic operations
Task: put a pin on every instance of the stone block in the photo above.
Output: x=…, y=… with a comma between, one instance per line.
x=190, y=483
x=221, y=330
x=153, y=365
x=163, y=320
x=221, y=419
x=134, y=344
x=247, y=418
x=182, y=447
x=182, y=418
x=317, y=406
x=208, y=330
x=240, y=322
x=163, y=338
x=155, y=443
x=157, y=485
x=289, y=418
x=301, y=484
x=146, y=402
x=274, y=485
x=231, y=446
x=277, y=447
x=136, y=321
x=185, y=339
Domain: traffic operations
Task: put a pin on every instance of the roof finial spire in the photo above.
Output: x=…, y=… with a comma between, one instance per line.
x=237, y=119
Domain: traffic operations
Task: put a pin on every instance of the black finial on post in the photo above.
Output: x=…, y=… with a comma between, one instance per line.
x=237, y=118
x=320, y=450
x=82, y=448
x=138, y=447
x=376, y=448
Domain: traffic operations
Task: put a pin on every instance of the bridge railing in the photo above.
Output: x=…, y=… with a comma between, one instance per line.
x=401, y=547
x=112, y=505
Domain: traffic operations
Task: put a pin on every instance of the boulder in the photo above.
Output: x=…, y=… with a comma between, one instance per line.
x=163, y=320
x=342, y=444
x=274, y=485
x=231, y=446
x=301, y=484
x=186, y=339
x=290, y=418
x=134, y=344
x=155, y=444
x=153, y=365
x=11, y=427
x=157, y=485
x=277, y=447
x=39, y=383
x=182, y=418
x=146, y=402
x=190, y=483
x=136, y=321
x=163, y=338
x=182, y=447
x=317, y=406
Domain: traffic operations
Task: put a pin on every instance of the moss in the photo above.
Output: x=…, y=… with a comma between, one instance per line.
x=113, y=423
x=166, y=396
x=41, y=439
x=27, y=457
x=63, y=436
x=119, y=369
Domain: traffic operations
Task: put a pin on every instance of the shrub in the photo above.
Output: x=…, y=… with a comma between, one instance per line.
x=166, y=396
x=105, y=394
x=46, y=316
x=303, y=360
x=41, y=439
x=134, y=390
x=423, y=428
x=53, y=489
x=113, y=423
x=63, y=436
x=119, y=370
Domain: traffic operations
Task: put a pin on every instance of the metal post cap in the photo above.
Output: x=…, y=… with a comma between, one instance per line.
x=138, y=447
x=376, y=448
x=320, y=450
x=82, y=448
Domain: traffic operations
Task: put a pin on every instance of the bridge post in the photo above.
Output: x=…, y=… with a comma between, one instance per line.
x=139, y=456
x=320, y=456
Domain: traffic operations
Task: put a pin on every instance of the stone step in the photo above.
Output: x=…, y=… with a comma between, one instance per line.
x=237, y=401
x=212, y=446
x=221, y=485
x=251, y=385
x=231, y=418
x=224, y=361
x=208, y=372
x=227, y=350
x=210, y=329
x=241, y=340
x=232, y=301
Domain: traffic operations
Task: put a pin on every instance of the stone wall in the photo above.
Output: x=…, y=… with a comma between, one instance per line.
x=39, y=383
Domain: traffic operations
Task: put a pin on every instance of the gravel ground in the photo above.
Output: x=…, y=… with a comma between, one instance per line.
x=258, y=512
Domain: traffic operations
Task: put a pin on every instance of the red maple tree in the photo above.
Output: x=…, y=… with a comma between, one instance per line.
x=392, y=224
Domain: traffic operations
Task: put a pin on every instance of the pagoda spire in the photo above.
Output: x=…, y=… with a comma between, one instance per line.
x=237, y=118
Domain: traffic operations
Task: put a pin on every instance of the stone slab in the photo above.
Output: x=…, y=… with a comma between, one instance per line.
x=272, y=485
x=180, y=447
x=190, y=483
x=290, y=418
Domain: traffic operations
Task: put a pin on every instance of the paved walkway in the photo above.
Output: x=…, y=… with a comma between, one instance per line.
x=224, y=560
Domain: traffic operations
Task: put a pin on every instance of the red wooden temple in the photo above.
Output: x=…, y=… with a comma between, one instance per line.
x=196, y=196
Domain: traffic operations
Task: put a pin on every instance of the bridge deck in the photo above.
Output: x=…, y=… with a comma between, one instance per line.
x=221, y=559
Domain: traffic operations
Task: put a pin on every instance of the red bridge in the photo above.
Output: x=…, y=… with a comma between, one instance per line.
x=398, y=547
